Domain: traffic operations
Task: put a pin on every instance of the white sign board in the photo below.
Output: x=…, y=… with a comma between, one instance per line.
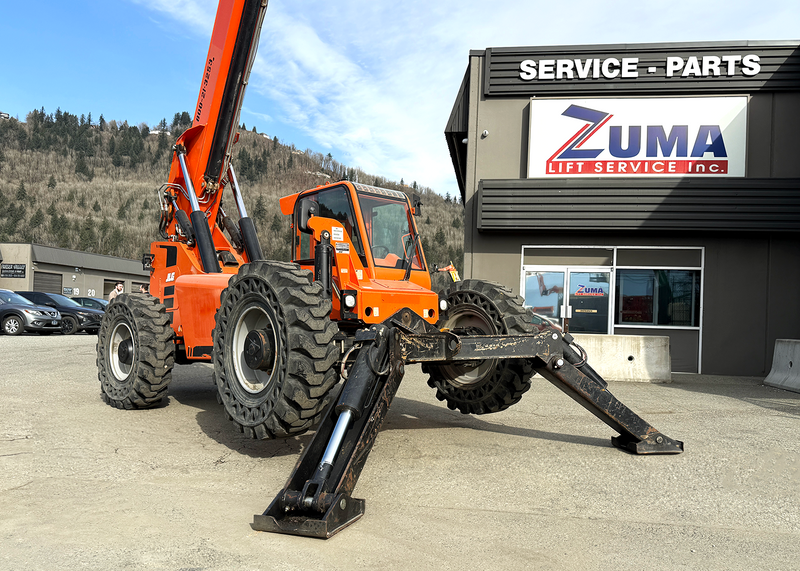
x=630, y=137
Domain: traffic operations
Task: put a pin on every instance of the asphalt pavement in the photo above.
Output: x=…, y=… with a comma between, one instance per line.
x=539, y=486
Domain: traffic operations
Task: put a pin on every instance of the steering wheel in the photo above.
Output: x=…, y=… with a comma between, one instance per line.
x=379, y=251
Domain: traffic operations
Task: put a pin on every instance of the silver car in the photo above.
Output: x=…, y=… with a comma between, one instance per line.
x=17, y=314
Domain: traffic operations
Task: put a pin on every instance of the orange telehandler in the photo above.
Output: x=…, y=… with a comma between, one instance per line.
x=354, y=305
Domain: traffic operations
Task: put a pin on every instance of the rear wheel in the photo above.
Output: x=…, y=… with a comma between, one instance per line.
x=135, y=352
x=273, y=351
x=12, y=325
x=480, y=387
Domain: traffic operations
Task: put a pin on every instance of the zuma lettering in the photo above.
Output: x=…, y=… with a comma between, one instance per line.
x=667, y=149
x=590, y=291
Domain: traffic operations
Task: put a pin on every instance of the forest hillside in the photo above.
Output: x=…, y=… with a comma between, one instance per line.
x=92, y=185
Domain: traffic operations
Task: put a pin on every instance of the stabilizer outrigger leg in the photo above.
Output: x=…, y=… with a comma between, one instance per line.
x=578, y=380
x=317, y=500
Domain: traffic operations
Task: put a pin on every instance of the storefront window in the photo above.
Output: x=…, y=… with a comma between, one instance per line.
x=658, y=297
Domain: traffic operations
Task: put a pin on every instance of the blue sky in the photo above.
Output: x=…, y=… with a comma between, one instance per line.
x=370, y=81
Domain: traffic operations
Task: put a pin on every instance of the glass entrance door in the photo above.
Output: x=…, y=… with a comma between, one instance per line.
x=589, y=300
x=585, y=308
x=544, y=293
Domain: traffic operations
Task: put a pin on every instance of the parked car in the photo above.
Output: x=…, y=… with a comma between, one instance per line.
x=18, y=314
x=93, y=302
x=74, y=317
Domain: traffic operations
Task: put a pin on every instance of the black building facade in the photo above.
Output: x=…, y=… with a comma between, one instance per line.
x=640, y=189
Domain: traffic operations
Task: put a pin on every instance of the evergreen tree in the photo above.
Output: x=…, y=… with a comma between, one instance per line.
x=260, y=211
x=275, y=226
x=163, y=142
x=37, y=219
x=22, y=194
x=96, y=206
x=87, y=236
x=115, y=241
x=116, y=159
x=51, y=184
x=81, y=168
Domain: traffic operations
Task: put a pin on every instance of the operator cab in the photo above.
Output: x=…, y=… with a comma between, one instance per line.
x=377, y=252
x=390, y=238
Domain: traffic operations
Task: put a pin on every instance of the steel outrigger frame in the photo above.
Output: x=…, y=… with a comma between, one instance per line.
x=317, y=500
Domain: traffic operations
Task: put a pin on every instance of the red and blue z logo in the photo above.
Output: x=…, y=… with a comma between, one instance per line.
x=595, y=120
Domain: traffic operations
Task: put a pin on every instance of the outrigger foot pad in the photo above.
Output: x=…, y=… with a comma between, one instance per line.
x=655, y=443
x=343, y=511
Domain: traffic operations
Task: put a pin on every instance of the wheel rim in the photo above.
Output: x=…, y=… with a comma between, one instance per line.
x=252, y=318
x=121, y=351
x=12, y=326
x=67, y=326
x=475, y=320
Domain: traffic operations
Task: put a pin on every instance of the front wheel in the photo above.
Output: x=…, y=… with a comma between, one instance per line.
x=274, y=354
x=480, y=387
x=135, y=352
x=12, y=325
x=69, y=326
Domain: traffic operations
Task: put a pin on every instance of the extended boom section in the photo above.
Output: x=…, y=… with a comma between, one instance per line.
x=317, y=500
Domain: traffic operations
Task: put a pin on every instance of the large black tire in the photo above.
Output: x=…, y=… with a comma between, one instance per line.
x=13, y=325
x=69, y=325
x=285, y=394
x=482, y=308
x=135, y=352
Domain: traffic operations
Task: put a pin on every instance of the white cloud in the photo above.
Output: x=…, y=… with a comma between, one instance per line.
x=197, y=14
x=373, y=82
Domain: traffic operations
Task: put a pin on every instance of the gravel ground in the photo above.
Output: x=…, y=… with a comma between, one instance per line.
x=86, y=486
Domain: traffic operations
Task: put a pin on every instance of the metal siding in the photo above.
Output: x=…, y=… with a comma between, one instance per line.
x=456, y=130
x=459, y=116
x=64, y=257
x=780, y=69
x=613, y=204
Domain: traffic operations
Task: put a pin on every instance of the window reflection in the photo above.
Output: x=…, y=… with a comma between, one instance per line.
x=658, y=297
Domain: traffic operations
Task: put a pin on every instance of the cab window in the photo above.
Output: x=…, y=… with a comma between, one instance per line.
x=333, y=203
x=388, y=232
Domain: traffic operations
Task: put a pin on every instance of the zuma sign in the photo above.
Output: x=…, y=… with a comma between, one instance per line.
x=629, y=137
